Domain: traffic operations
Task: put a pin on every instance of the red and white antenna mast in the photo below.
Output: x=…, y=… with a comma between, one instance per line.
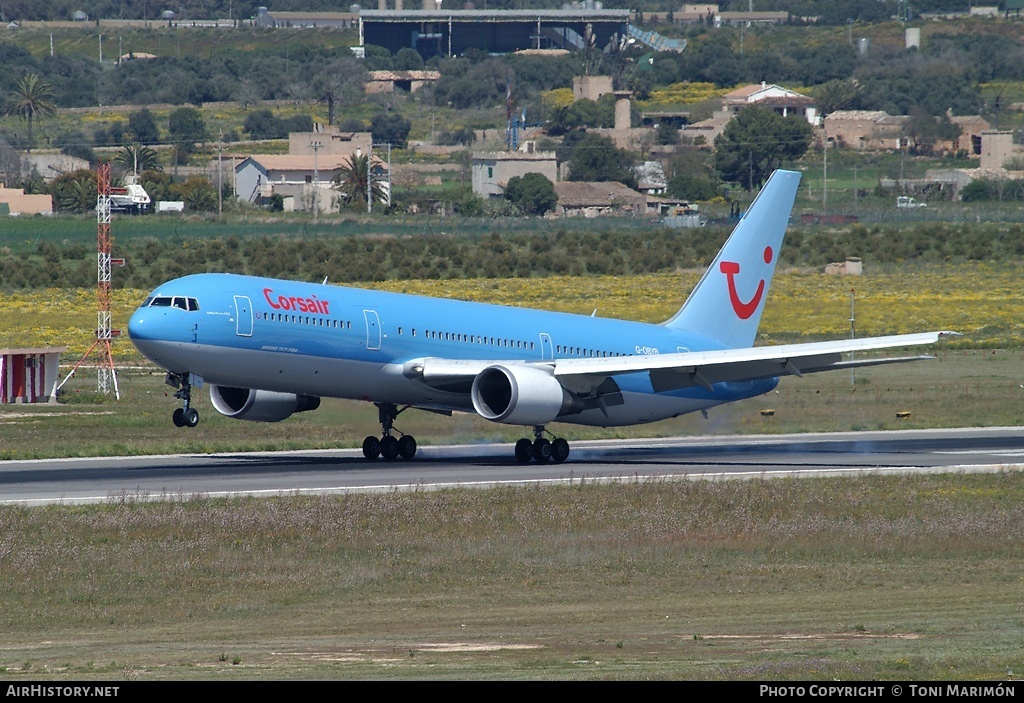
x=106, y=375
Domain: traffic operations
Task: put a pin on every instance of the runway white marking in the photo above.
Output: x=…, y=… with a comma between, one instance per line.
x=637, y=478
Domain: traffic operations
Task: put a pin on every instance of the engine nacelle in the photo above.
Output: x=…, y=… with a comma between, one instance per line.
x=519, y=395
x=259, y=406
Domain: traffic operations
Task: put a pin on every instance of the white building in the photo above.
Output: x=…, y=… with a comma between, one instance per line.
x=492, y=170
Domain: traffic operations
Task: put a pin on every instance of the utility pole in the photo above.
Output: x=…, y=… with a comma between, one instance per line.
x=315, y=146
x=856, y=194
x=824, y=176
x=369, y=180
x=853, y=327
x=220, y=173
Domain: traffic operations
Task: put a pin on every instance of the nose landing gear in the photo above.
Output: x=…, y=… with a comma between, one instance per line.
x=185, y=416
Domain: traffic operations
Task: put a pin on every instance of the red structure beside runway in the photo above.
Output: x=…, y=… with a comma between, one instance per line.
x=29, y=375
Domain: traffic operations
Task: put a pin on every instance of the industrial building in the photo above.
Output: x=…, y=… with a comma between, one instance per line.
x=453, y=32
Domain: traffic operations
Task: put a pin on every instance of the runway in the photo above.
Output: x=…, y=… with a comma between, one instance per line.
x=105, y=479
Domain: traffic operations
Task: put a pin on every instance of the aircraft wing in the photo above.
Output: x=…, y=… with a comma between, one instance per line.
x=680, y=370
x=686, y=369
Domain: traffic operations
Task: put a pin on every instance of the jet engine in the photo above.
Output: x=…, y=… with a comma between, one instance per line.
x=519, y=395
x=259, y=406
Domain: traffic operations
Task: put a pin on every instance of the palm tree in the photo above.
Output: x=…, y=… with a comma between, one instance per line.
x=138, y=158
x=32, y=97
x=837, y=95
x=351, y=182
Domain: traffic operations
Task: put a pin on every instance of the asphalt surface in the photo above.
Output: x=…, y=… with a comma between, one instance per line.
x=104, y=479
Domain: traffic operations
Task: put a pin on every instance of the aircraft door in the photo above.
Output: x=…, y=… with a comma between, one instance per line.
x=373, y=334
x=547, y=351
x=243, y=316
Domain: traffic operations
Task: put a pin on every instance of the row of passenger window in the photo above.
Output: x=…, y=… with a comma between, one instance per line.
x=308, y=320
x=579, y=351
x=448, y=336
x=477, y=339
x=512, y=343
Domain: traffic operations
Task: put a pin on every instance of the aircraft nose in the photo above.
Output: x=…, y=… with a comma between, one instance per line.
x=137, y=327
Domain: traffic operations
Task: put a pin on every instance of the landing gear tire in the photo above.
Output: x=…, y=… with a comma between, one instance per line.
x=407, y=446
x=559, y=450
x=371, y=448
x=185, y=416
x=389, y=448
x=542, y=450
x=524, y=450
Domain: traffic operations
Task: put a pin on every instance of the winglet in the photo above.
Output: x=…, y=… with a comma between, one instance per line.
x=726, y=305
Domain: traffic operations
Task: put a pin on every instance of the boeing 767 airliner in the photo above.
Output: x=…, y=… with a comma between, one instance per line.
x=268, y=348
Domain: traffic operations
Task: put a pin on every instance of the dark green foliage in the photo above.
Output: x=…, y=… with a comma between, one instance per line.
x=758, y=141
x=824, y=62
x=666, y=134
x=186, y=127
x=837, y=95
x=407, y=59
x=596, y=158
x=995, y=189
x=264, y=124
x=157, y=184
x=136, y=158
x=197, y=193
x=353, y=184
x=74, y=191
x=74, y=81
x=142, y=124
x=532, y=193
x=390, y=129
x=466, y=82
x=692, y=186
x=581, y=114
x=898, y=87
x=31, y=99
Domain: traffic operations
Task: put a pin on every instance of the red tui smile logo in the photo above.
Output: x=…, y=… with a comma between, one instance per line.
x=730, y=269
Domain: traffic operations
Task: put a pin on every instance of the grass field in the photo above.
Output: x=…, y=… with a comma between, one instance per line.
x=914, y=578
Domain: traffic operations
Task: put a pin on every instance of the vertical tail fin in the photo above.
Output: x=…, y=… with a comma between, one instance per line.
x=726, y=305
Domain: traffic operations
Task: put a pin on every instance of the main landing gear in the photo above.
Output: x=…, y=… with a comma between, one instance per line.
x=388, y=446
x=185, y=416
x=541, y=449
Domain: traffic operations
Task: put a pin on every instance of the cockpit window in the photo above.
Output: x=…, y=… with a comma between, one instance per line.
x=166, y=301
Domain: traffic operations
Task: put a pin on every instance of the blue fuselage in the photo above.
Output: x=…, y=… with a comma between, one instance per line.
x=331, y=341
